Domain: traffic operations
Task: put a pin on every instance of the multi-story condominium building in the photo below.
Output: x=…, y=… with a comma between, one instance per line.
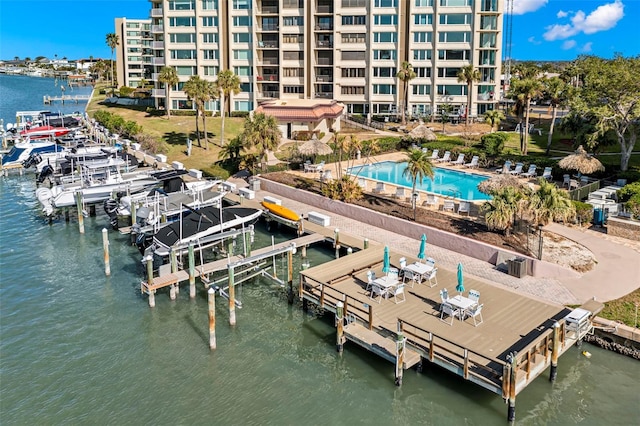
x=134, y=53
x=347, y=50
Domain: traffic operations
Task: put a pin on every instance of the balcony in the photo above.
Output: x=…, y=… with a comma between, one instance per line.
x=268, y=95
x=324, y=95
x=157, y=29
x=267, y=45
x=158, y=93
x=324, y=78
x=268, y=61
x=268, y=27
x=158, y=45
x=324, y=61
x=267, y=78
x=325, y=8
x=324, y=27
x=156, y=13
x=326, y=44
x=158, y=61
x=268, y=10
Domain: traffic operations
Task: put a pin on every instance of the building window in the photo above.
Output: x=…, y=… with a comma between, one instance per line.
x=243, y=105
x=182, y=4
x=185, y=70
x=242, y=4
x=384, y=54
x=455, y=19
x=422, y=72
x=182, y=38
x=422, y=37
x=354, y=38
x=384, y=89
x=448, y=72
x=209, y=21
x=385, y=19
x=421, y=89
x=293, y=21
x=293, y=89
x=246, y=87
x=293, y=72
x=354, y=3
x=385, y=37
x=353, y=55
x=242, y=54
x=423, y=19
x=241, y=21
x=384, y=72
x=242, y=37
x=183, y=54
x=422, y=55
x=210, y=4
x=133, y=33
x=424, y=3
x=210, y=37
x=452, y=89
x=354, y=20
x=352, y=90
x=210, y=54
x=182, y=22
x=211, y=71
x=386, y=3
x=133, y=25
x=242, y=71
x=457, y=3
x=293, y=38
x=454, y=55
x=454, y=37
x=353, y=72
x=293, y=55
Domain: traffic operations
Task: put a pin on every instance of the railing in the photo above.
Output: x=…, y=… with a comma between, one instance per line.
x=324, y=78
x=326, y=95
x=324, y=27
x=158, y=61
x=157, y=29
x=159, y=93
x=158, y=45
x=361, y=122
x=271, y=95
x=322, y=43
x=268, y=9
x=268, y=61
x=267, y=44
x=156, y=13
x=273, y=27
x=267, y=77
x=324, y=61
x=324, y=9
x=582, y=192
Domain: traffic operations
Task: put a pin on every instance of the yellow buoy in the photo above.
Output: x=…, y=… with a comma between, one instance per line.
x=587, y=354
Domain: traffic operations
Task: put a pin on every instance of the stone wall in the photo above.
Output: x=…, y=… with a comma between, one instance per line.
x=446, y=240
x=625, y=228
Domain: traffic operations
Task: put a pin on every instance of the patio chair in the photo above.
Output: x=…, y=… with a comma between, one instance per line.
x=473, y=163
x=531, y=172
x=424, y=150
x=449, y=205
x=475, y=312
x=433, y=280
x=398, y=293
x=434, y=154
x=506, y=168
x=464, y=207
x=411, y=277
x=474, y=295
x=380, y=188
x=431, y=200
x=566, y=180
x=362, y=183
x=546, y=174
x=403, y=264
x=459, y=161
x=377, y=292
x=517, y=170
x=371, y=276
x=447, y=309
x=446, y=157
x=444, y=295
x=400, y=193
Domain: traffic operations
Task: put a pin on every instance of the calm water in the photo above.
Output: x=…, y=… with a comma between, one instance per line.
x=77, y=347
x=452, y=183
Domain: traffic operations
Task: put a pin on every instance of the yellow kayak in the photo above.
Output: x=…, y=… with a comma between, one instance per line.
x=280, y=211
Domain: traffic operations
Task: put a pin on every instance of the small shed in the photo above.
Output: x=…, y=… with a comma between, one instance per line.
x=294, y=115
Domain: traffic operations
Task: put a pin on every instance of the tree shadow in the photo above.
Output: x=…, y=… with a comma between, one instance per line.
x=178, y=138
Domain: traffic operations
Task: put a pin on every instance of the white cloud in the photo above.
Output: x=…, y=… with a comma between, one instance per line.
x=520, y=7
x=603, y=18
x=586, y=48
x=562, y=14
x=533, y=40
x=568, y=44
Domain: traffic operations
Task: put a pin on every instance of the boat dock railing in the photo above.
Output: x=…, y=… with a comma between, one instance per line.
x=46, y=99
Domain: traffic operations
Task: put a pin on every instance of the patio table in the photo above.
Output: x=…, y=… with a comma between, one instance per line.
x=462, y=303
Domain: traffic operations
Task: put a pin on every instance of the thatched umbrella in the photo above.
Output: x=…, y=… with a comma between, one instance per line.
x=423, y=132
x=314, y=147
x=500, y=181
x=582, y=162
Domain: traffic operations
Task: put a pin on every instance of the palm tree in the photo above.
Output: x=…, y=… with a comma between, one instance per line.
x=502, y=210
x=418, y=167
x=558, y=92
x=193, y=88
x=549, y=203
x=469, y=75
x=226, y=84
x=231, y=151
x=113, y=40
x=340, y=144
x=525, y=90
x=169, y=77
x=405, y=74
x=494, y=116
x=262, y=133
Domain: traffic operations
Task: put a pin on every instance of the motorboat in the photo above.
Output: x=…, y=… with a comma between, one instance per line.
x=201, y=227
x=45, y=131
x=22, y=150
x=96, y=183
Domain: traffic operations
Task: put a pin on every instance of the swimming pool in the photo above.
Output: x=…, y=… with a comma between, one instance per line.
x=451, y=183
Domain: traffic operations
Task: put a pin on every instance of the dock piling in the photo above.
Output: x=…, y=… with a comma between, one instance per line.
x=400, y=348
x=105, y=248
x=365, y=243
x=339, y=326
x=192, y=272
x=555, y=350
x=290, y=276
x=80, y=215
x=175, y=288
x=232, y=296
x=212, y=317
x=511, y=410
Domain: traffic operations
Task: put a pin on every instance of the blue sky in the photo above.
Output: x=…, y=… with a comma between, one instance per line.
x=542, y=29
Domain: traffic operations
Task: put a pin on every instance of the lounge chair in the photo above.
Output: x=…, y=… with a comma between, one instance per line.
x=506, y=168
x=449, y=205
x=445, y=158
x=434, y=155
x=380, y=188
x=447, y=309
x=459, y=161
x=473, y=163
x=531, y=172
x=400, y=193
x=517, y=170
x=464, y=207
x=546, y=174
x=431, y=200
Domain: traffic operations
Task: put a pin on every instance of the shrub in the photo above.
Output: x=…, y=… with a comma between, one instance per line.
x=584, y=212
x=241, y=114
x=493, y=143
x=150, y=144
x=126, y=91
x=633, y=206
x=216, y=171
x=630, y=175
x=629, y=191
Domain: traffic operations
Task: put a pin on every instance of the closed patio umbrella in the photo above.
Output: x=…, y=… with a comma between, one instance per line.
x=500, y=181
x=423, y=243
x=460, y=286
x=583, y=162
x=386, y=262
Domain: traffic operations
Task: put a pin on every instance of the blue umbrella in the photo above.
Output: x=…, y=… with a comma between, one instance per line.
x=460, y=286
x=423, y=243
x=386, y=264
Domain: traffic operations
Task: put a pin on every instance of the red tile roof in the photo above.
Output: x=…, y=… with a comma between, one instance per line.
x=315, y=112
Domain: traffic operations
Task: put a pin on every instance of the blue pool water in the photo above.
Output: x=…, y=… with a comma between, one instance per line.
x=451, y=183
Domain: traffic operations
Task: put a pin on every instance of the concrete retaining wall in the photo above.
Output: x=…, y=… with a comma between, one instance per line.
x=447, y=240
x=625, y=228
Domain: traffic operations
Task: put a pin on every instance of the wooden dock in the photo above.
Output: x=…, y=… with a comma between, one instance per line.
x=47, y=100
x=507, y=351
